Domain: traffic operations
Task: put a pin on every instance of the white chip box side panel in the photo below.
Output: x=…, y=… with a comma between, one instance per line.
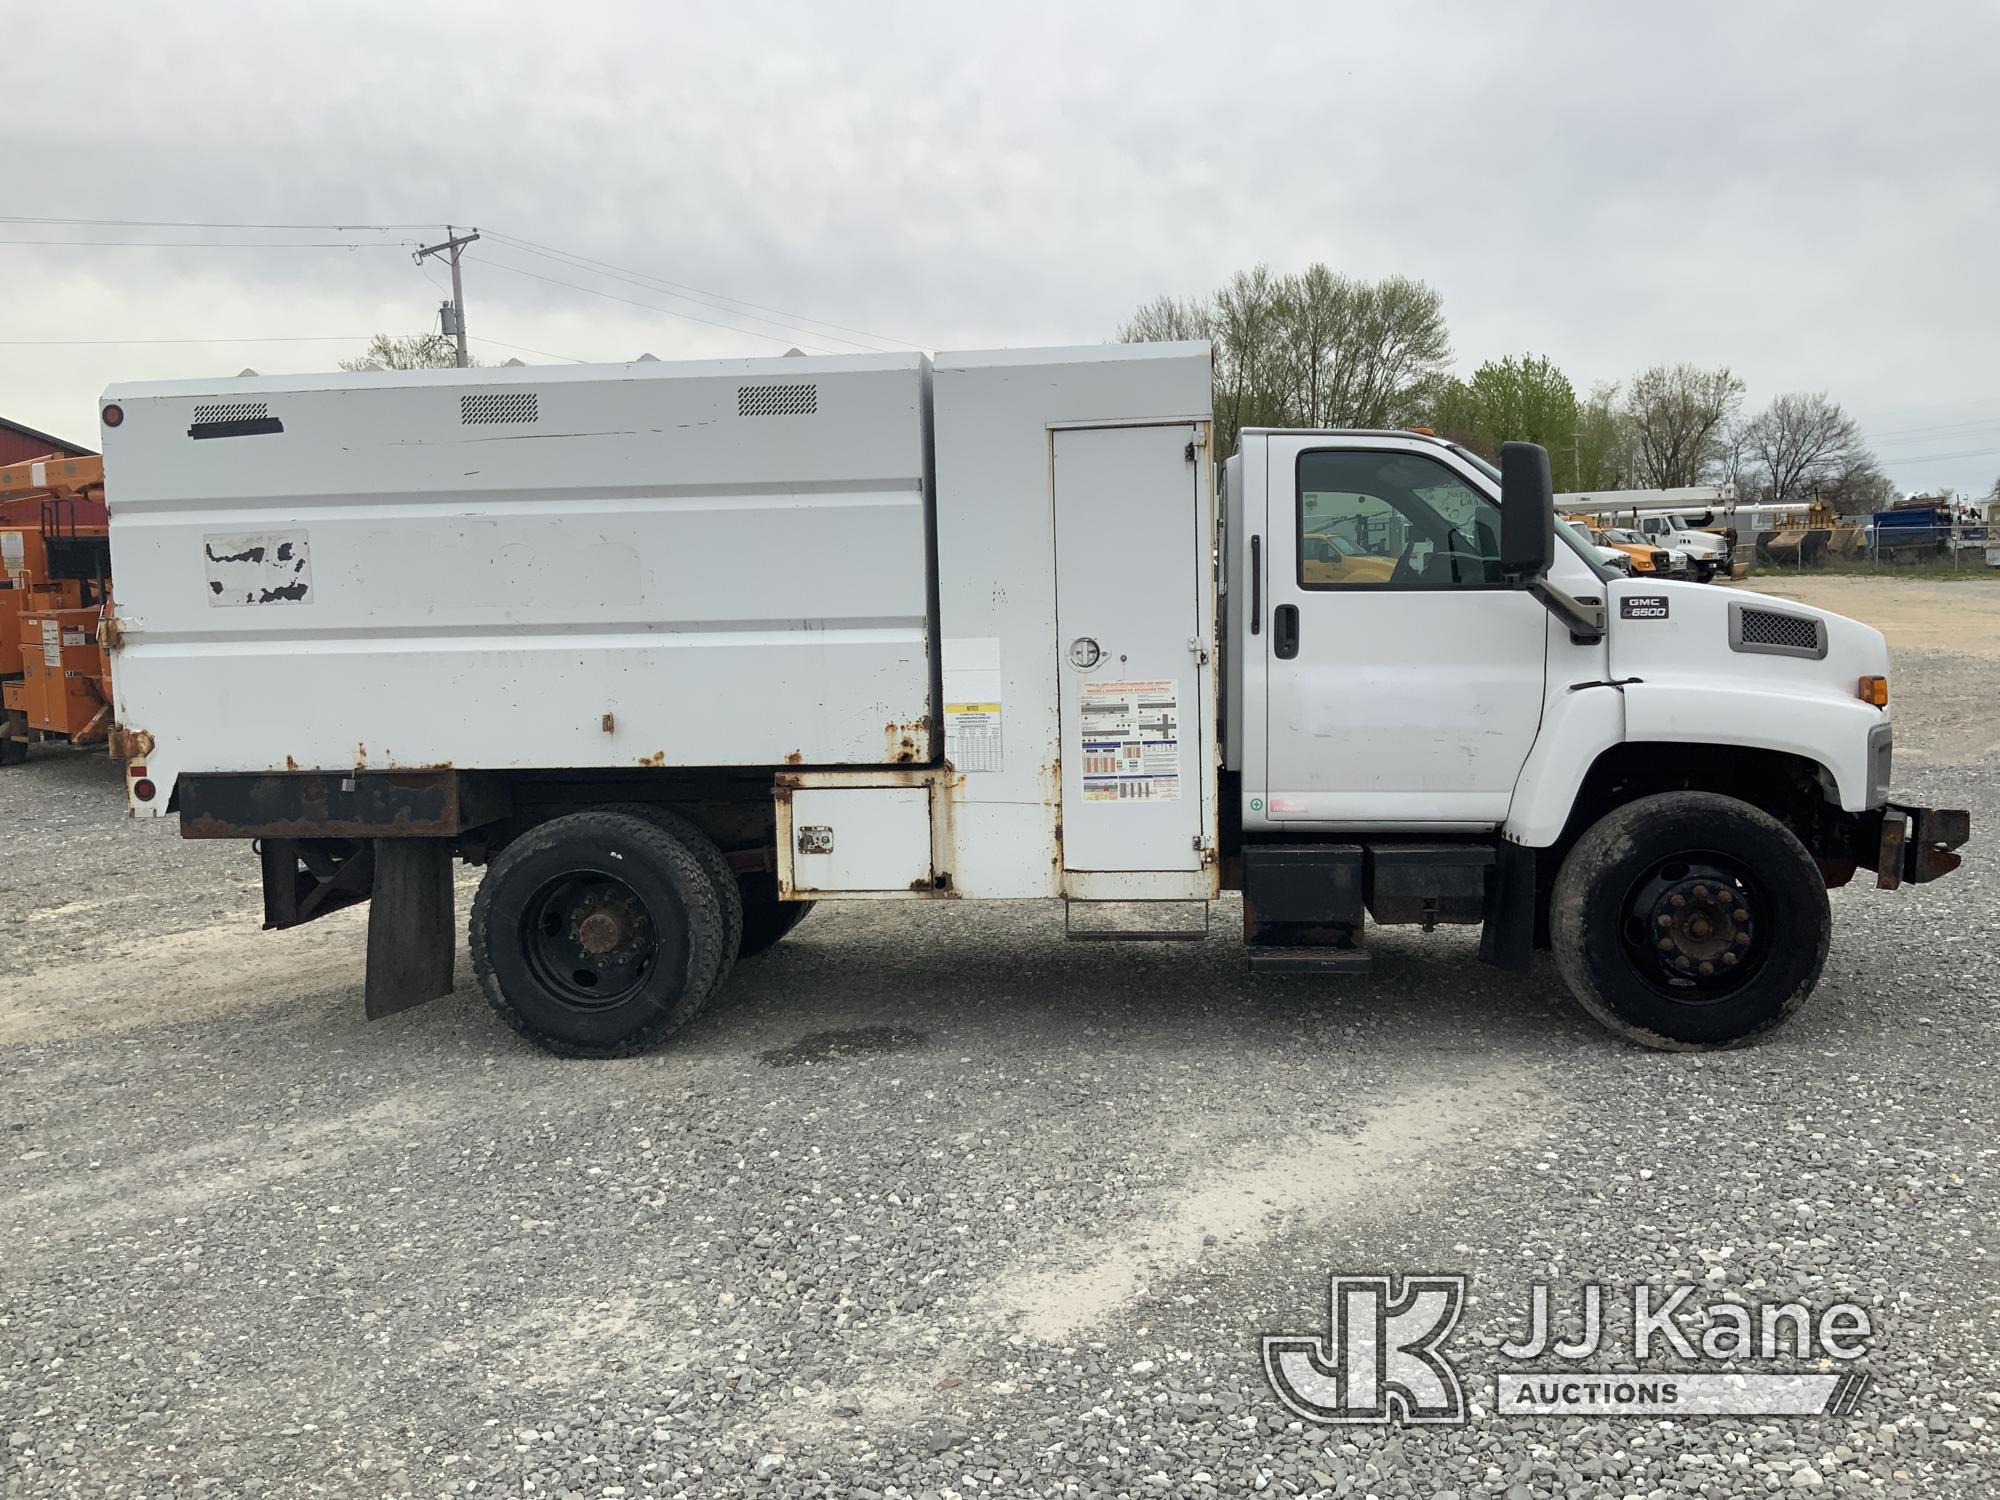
x=638, y=565
x=995, y=411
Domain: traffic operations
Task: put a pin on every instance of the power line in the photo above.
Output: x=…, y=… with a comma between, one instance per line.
x=791, y=329
x=197, y=224
x=1903, y=432
x=671, y=312
x=303, y=338
x=209, y=244
x=1936, y=458
x=480, y=338
x=794, y=320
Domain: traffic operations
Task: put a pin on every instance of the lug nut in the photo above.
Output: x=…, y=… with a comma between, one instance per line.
x=1728, y=959
x=1740, y=914
x=1665, y=920
x=1701, y=893
x=1677, y=900
x=1742, y=939
x=1705, y=968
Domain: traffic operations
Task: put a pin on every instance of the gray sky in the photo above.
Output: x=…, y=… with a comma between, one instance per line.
x=1807, y=193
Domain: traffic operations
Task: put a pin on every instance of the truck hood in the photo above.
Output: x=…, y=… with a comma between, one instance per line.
x=1732, y=638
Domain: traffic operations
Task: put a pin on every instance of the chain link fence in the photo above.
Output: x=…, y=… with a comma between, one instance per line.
x=1884, y=544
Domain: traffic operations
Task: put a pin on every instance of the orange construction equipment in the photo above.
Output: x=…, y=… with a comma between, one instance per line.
x=55, y=587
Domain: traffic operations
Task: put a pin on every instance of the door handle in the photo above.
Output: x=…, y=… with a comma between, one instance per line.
x=1285, y=632
x=1256, y=584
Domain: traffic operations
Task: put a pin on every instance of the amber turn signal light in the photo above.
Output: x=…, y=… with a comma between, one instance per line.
x=1875, y=690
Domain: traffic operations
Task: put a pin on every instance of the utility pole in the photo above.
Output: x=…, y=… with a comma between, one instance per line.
x=454, y=309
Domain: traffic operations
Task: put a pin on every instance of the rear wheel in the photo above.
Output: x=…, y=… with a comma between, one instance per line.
x=598, y=934
x=714, y=863
x=1689, y=920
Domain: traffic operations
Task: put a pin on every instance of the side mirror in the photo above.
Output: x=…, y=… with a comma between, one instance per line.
x=1527, y=512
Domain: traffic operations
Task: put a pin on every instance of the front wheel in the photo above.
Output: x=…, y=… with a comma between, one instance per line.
x=1689, y=920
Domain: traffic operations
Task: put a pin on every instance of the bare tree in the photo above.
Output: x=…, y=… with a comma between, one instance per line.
x=415, y=351
x=1677, y=415
x=1804, y=443
x=1315, y=349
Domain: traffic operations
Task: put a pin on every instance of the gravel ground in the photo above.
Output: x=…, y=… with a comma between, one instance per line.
x=933, y=1204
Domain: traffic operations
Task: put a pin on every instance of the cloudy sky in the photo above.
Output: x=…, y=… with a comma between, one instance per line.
x=1807, y=193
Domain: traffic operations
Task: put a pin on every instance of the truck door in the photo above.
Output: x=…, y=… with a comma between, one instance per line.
x=1129, y=560
x=1404, y=677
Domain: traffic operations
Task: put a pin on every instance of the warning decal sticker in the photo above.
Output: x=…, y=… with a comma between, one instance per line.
x=972, y=736
x=972, y=690
x=1131, y=741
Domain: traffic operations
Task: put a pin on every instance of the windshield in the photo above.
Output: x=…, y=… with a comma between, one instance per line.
x=1581, y=544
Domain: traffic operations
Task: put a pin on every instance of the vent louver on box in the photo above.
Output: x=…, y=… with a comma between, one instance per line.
x=1772, y=631
x=777, y=400
x=231, y=411
x=499, y=406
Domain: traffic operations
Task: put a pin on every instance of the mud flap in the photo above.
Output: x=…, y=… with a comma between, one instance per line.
x=411, y=938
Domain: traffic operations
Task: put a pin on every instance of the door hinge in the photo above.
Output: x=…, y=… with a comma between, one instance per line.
x=1190, y=452
x=1198, y=651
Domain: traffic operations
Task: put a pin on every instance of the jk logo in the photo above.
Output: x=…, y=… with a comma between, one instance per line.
x=1381, y=1363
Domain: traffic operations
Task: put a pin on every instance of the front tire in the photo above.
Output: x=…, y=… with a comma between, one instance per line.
x=598, y=934
x=1689, y=920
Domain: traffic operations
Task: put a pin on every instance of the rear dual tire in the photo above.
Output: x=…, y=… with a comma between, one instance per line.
x=601, y=934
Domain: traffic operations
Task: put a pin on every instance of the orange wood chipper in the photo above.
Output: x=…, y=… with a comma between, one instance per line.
x=55, y=589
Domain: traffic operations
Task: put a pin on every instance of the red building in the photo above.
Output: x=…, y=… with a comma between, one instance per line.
x=19, y=444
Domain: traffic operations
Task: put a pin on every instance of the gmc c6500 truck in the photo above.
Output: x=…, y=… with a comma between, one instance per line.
x=676, y=650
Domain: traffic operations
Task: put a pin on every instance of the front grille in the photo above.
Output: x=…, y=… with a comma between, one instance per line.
x=1775, y=631
x=1661, y=562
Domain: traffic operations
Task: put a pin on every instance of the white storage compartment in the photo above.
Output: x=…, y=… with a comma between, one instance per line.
x=720, y=563
x=855, y=840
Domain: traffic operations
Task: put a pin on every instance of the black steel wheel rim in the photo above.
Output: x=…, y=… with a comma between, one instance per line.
x=590, y=939
x=1696, y=927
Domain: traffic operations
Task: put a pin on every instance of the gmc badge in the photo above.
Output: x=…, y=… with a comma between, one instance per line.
x=1643, y=607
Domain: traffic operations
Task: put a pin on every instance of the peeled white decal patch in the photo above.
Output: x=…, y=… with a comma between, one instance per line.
x=261, y=567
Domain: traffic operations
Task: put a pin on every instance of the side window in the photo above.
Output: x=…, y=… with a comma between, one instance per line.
x=1392, y=519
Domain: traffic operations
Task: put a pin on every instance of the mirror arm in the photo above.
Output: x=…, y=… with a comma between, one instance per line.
x=1585, y=620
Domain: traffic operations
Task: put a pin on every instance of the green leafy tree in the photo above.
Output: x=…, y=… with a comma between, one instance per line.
x=415, y=351
x=1526, y=400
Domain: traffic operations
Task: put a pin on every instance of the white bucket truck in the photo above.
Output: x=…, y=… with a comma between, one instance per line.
x=675, y=650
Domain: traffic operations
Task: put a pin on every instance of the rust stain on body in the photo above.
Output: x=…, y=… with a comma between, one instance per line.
x=130, y=744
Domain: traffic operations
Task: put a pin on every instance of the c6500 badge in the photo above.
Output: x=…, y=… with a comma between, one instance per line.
x=1643, y=607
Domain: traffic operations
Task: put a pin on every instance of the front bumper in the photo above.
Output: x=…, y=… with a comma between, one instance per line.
x=1917, y=844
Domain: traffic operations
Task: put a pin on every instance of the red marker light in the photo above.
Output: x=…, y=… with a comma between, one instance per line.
x=143, y=789
x=113, y=414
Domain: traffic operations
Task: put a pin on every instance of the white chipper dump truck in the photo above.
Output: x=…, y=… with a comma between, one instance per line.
x=676, y=650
